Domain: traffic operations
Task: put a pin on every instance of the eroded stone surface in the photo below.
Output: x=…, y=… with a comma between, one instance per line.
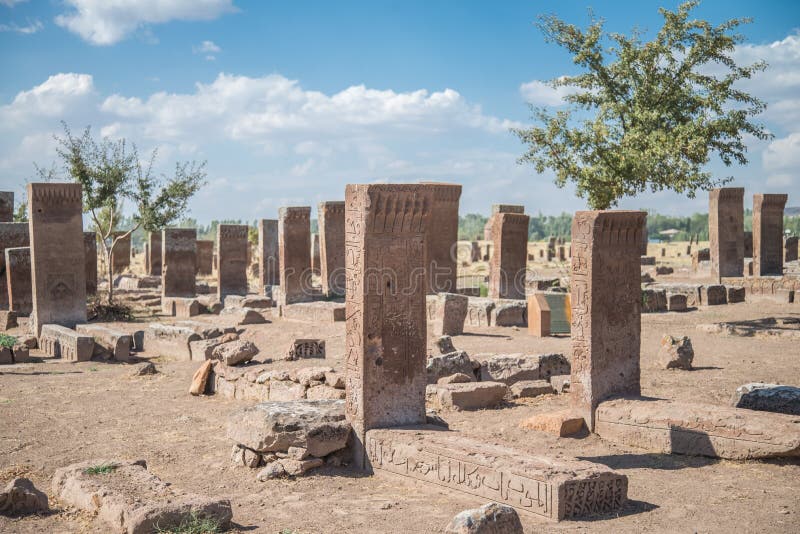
x=491, y=518
x=726, y=231
x=767, y=398
x=676, y=352
x=448, y=364
x=61, y=342
x=20, y=497
x=466, y=395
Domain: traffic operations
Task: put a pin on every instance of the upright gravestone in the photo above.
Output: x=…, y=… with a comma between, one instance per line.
x=205, y=257
x=331, y=247
x=12, y=235
x=90, y=261
x=121, y=255
x=748, y=244
x=440, y=244
x=232, y=260
x=178, y=257
x=6, y=206
x=790, y=248
x=606, y=300
x=268, y=262
x=768, y=234
x=294, y=246
x=315, y=269
x=510, y=256
x=57, y=255
x=385, y=341
x=154, y=258
x=726, y=231
x=18, y=277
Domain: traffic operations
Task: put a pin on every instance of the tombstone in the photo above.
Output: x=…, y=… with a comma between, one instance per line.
x=59, y=264
x=6, y=206
x=790, y=249
x=18, y=278
x=331, y=247
x=90, y=262
x=268, y=262
x=153, y=264
x=726, y=231
x=440, y=245
x=538, y=315
x=748, y=244
x=606, y=307
x=121, y=255
x=385, y=342
x=206, y=259
x=178, y=262
x=475, y=252
x=768, y=234
x=294, y=251
x=12, y=235
x=509, y=260
x=231, y=260
x=315, y=254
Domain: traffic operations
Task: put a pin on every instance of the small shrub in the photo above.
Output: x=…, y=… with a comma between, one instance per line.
x=116, y=311
x=7, y=341
x=102, y=469
x=193, y=525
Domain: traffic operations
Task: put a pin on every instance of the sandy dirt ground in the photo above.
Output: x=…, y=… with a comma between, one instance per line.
x=53, y=414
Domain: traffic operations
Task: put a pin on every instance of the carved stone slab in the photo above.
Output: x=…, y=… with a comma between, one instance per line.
x=510, y=256
x=768, y=234
x=698, y=429
x=153, y=264
x=18, y=276
x=121, y=255
x=726, y=231
x=268, y=261
x=331, y=247
x=441, y=241
x=606, y=307
x=205, y=257
x=12, y=235
x=294, y=246
x=231, y=260
x=549, y=488
x=59, y=263
x=179, y=260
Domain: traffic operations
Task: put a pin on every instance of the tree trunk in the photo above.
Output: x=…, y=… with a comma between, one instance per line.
x=110, y=275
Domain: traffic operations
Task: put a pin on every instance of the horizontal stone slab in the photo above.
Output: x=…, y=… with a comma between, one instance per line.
x=667, y=426
x=61, y=342
x=314, y=312
x=170, y=341
x=552, y=488
x=113, y=342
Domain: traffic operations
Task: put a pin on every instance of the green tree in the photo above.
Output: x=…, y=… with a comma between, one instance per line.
x=111, y=173
x=645, y=114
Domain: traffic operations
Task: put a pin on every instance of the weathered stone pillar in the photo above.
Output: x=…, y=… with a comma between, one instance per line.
x=331, y=247
x=268, y=262
x=385, y=342
x=606, y=307
x=6, y=206
x=232, y=260
x=205, y=257
x=510, y=255
x=178, y=262
x=790, y=248
x=153, y=266
x=294, y=245
x=768, y=234
x=121, y=255
x=440, y=245
x=18, y=276
x=59, y=265
x=726, y=231
x=315, y=269
x=12, y=235
x=90, y=255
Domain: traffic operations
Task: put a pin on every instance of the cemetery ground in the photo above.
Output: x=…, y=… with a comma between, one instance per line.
x=56, y=413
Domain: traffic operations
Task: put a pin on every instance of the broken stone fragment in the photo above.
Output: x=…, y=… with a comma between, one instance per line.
x=768, y=398
x=324, y=392
x=676, y=352
x=443, y=345
x=448, y=364
x=531, y=388
x=272, y=470
x=200, y=378
x=491, y=518
x=559, y=423
x=458, y=378
x=466, y=396
x=20, y=497
x=144, y=368
x=235, y=352
x=299, y=467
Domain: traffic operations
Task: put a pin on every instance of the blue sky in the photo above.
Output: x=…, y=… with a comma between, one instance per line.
x=289, y=101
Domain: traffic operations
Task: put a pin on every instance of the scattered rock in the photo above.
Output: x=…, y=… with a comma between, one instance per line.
x=6, y=357
x=491, y=518
x=676, y=353
x=334, y=380
x=560, y=423
x=444, y=345
x=531, y=388
x=143, y=368
x=20, y=497
x=298, y=467
x=448, y=364
x=663, y=269
x=235, y=352
x=271, y=471
x=560, y=383
x=200, y=378
x=286, y=390
x=324, y=392
x=510, y=368
x=768, y=398
x=458, y=378
x=21, y=353
x=306, y=348
x=466, y=396
x=307, y=375
x=29, y=341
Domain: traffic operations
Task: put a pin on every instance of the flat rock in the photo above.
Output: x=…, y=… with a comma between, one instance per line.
x=132, y=500
x=491, y=518
x=665, y=426
x=324, y=392
x=20, y=497
x=466, y=396
x=531, y=388
x=768, y=398
x=675, y=352
x=458, y=378
x=448, y=364
x=144, y=368
x=318, y=426
x=510, y=368
x=560, y=423
x=235, y=352
x=286, y=390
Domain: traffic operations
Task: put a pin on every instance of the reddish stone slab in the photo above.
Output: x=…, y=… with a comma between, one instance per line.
x=331, y=247
x=510, y=256
x=268, y=261
x=12, y=235
x=205, y=257
x=386, y=334
x=18, y=278
x=59, y=263
x=6, y=206
x=178, y=257
x=294, y=245
x=121, y=255
x=726, y=231
x=768, y=234
x=606, y=307
x=232, y=259
x=440, y=243
x=153, y=263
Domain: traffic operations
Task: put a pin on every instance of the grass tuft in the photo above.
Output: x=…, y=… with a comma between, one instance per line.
x=7, y=341
x=193, y=525
x=102, y=469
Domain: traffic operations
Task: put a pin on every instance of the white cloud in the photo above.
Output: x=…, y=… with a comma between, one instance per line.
x=207, y=47
x=31, y=27
x=49, y=99
x=783, y=153
x=105, y=22
x=543, y=94
x=11, y=3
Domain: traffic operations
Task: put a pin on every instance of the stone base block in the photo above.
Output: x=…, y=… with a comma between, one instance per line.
x=665, y=426
x=552, y=488
x=170, y=341
x=465, y=395
x=110, y=342
x=314, y=312
x=61, y=342
x=181, y=307
x=561, y=423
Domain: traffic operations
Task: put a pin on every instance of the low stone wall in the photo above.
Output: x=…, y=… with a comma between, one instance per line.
x=260, y=382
